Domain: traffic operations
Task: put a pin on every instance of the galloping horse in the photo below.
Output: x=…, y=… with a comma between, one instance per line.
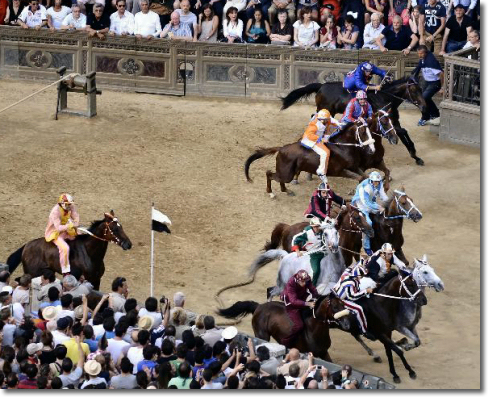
x=293, y=158
x=86, y=251
x=271, y=320
x=334, y=97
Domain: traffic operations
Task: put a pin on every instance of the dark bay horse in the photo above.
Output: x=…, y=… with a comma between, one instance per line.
x=334, y=97
x=271, y=320
x=86, y=251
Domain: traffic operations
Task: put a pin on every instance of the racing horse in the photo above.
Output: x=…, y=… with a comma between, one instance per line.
x=86, y=251
x=271, y=320
x=293, y=158
x=334, y=97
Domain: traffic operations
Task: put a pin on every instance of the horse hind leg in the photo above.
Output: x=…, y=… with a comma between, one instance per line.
x=412, y=334
x=376, y=358
x=269, y=176
x=295, y=178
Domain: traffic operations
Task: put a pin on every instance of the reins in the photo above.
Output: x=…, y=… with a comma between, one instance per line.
x=358, y=138
x=402, y=285
x=107, y=228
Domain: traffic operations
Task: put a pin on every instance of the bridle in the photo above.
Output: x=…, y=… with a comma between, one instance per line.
x=358, y=125
x=353, y=224
x=409, y=99
x=406, y=214
x=417, y=275
x=114, y=239
x=383, y=132
x=411, y=297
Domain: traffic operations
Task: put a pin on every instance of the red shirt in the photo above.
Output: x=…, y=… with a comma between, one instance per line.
x=28, y=384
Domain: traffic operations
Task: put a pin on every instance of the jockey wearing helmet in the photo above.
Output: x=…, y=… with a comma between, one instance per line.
x=365, y=198
x=359, y=78
x=310, y=240
x=348, y=290
x=357, y=109
x=379, y=265
x=62, y=224
x=319, y=129
x=321, y=202
x=294, y=296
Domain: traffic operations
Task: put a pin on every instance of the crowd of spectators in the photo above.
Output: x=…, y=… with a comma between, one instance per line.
x=442, y=25
x=122, y=344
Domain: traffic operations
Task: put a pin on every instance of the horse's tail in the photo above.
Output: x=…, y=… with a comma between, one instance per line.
x=264, y=259
x=276, y=236
x=239, y=309
x=259, y=153
x=14, y=260
x=299, y=93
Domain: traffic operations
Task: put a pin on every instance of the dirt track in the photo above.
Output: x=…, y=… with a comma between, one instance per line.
x=187, y=156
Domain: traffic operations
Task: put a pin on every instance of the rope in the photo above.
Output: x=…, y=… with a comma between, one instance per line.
x=393, y=297
x=37, y=92
x=345, y=249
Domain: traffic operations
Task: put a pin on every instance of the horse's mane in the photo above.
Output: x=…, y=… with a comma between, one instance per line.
x=349, y=123
x=395, y=83
x=92, y=229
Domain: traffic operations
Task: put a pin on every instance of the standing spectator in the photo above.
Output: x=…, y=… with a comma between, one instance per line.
x=32, y=17
x=66, y=307
x=268, y=364
x=373, y=6
x=328, y=34
x=312, y=7
x=121, y=21
x=399, y=7
x=371, y=31
x=282, y=31
x=293, y=357
x=233, y=27
x=146, y=25
x=257, y=29
x=253, y=5
x=414, y=21
x=126, y=380
x=188, y=17
x=69, y=377
x=72, y=286
x=48, y=355
x=117, y=346
x=151, y=309
x=21, y=293
x=176, y=30
x=134, y=354
x=212, y=334
x=5, y=275
x=13, y=13
x=17, y=309
x=305, y=31
x=348, y=35
x=30, y=382
x=98, y=24
x=279, y=5
x=120, y=291
x=61, y=334
x=432, y=23
x=56, y=15
x=74, y=21
x=330, y=7
x=184, y=379
x=93, y=369
x=434, y=79
x=398, y=37
x=48, y=279
x=72, y=344
x=456, y=33
x=208, y=24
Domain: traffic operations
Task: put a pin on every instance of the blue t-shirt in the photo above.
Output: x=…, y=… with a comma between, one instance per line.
x=433, y=15
x=46, y=304
x=145, y=363
x=92, y=345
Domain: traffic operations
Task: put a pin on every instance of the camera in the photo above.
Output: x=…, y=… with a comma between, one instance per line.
x=163, y=299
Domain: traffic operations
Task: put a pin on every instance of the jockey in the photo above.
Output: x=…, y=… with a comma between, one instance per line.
x=294, y=296
x=62, y=224
x=357, y=109
x=365, y=198
x=310, y=240
x=319, y=129
x=321, y=202
x=347, y=289
x=359, y=78
x=379, y=264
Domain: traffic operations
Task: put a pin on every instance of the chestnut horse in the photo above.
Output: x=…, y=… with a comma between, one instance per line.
x=271, y=320
x=86, y=251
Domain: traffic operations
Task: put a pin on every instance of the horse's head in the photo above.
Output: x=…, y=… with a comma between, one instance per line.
x=385, y=126
x=413, y=93
x=363, y=136
x=330, y=235
x=114, y=232
x=402, y=205
x=409, y=288
x=424, y=275
x=359, y=220
x=331, y=308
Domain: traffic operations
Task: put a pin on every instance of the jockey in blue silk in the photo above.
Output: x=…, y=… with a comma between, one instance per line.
x=359, y=78
x=367, y=192
x=357, y=109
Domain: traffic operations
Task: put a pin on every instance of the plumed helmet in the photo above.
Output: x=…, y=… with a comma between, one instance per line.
x=359, y=270
x=302, y=275
x=323, y=114
x=361, y=95
x=315, y=221
x=65, y=199
x=367, y=67
x=386, y=248
x=323, y=187
x=375, y=176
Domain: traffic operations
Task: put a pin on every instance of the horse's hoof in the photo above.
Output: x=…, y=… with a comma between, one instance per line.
x=413, y=375
x=294, y=182
x=272, y=196
x=377, y=359
x=397, y=379
x=290, y=193
x=309, y=177
x=419, y=161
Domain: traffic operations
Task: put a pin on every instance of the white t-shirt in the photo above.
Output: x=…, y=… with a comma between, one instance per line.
x=79, y=23
x=59, y=337
x=32, y=19
x=57, y=17
x=134, y=354
x=306, y=34
x=213, y=385
x=147, y=24
x=115, y=348
x=189, y=18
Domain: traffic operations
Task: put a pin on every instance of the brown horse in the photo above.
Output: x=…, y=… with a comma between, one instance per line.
x=86, y=251
x=271, y=320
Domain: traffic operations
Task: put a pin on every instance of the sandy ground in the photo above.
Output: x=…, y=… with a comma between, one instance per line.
x=187, y=155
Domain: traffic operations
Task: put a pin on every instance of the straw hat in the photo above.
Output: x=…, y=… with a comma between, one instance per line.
x=50, y=312
x=146, y=322
x=92, y=367
x=51, y=326
x=79, y=312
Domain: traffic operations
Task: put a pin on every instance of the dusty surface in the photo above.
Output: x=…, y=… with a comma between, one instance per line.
x=187, y=156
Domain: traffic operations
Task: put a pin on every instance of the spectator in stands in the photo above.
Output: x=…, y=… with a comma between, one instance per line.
x=32, y=17
x=414, y=21
x=21, y=293
x=257, y=28
x=98, y=23
x=72, y=286
x=312, y=7
x=327, y=8
x=279, y=5
x=93, y=369
x=56, y=15
x=68, y=376
x=60, y=335
x=179, y=302
x=4, y=275
x=328, y=34
x=17, y=309
x=208, y=25
x=232, y=27
x=432, y=23
x=120, y=291
x=146, y=23
x=52, y=299
x=348, y=36
x=48, y=278
x=456, y=32
x=188, y=17
x=239, y=4
x=371, y=31
x=126, y=379
x=151, y=309
x=293, y=357
x=282, y=31
x=253, y=5
x=212, y=334
x=176, y=30
x=74, y=21
x=468, y=5
x=305, y=30
x=121, y=21
x=14, y=10
x=401, y=8
x=473, y=40
x=135, y=353
x=356, y=9
x=372, y=7
x=398, y=37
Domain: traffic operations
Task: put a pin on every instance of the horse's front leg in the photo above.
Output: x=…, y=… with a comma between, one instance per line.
x=269, y=176
x=409, y=333
x=389, y=355
x=376, y=358
x=295, y=179
x=405, y=138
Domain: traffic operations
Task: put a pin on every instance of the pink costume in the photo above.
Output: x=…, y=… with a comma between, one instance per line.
x=61, y=226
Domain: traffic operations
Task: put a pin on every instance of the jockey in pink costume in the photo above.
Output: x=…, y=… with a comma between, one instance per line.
x=61, y=226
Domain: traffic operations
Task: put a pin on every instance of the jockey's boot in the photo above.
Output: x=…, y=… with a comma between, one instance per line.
x=368, y=251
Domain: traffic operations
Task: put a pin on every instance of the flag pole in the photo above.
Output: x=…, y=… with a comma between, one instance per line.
x=152, y=253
